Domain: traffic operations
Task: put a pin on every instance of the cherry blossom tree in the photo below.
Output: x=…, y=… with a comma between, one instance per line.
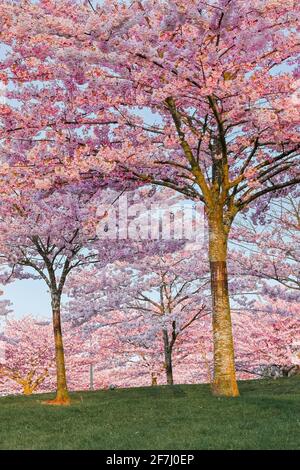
x=43, y=236
x=216, y=87
x=269, y=251
x=100, y=355
x=27, y=360
x=47, y=234
x=123, y=351
x=28, y=356
x=271, y=340
x=163, y=295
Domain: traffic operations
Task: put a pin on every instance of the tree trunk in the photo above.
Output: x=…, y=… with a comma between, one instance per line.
x=91, y=376
x=168, y=358
x=224, y=382
x=27, y=389
x=62, y=395
x=153, y=379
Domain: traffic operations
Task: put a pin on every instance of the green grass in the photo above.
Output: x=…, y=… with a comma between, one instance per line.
x=266, y=416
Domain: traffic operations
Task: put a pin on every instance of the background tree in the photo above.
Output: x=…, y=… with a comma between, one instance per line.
x=27, y=360
x=163, y=295
x=272, y=344
x=267, y=248
x=28, y=356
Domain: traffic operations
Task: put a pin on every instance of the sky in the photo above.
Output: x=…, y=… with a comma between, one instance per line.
x=28, y=297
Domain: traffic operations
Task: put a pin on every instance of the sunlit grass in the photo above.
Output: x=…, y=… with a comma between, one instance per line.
x=266, y=416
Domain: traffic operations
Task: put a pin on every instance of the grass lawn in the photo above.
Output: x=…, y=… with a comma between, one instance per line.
x=266, y=416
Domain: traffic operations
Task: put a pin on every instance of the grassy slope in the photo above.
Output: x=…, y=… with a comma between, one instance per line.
x=266, y=416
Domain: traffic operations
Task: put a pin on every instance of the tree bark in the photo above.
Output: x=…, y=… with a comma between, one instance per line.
x=153, y=379
x=27, y=389
x=224, y=381
x=91, y=376
x=62, y=395
x=168, y=358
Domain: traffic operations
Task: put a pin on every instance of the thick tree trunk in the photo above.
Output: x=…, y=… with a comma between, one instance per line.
x=168, y=358
x=62, y=395
x=224, y=382
x=27, y=389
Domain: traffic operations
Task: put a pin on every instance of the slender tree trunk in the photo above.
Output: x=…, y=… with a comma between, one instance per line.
x=169, y=370
x=91, y=376
x=153, y=379
x=224, y=382
x=62, y=395
x=168, y=358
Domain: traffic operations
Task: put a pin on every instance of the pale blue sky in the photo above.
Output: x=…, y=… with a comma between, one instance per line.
x=28, y=297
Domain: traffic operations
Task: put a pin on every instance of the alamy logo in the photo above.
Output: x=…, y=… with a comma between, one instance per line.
x=164, y=219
